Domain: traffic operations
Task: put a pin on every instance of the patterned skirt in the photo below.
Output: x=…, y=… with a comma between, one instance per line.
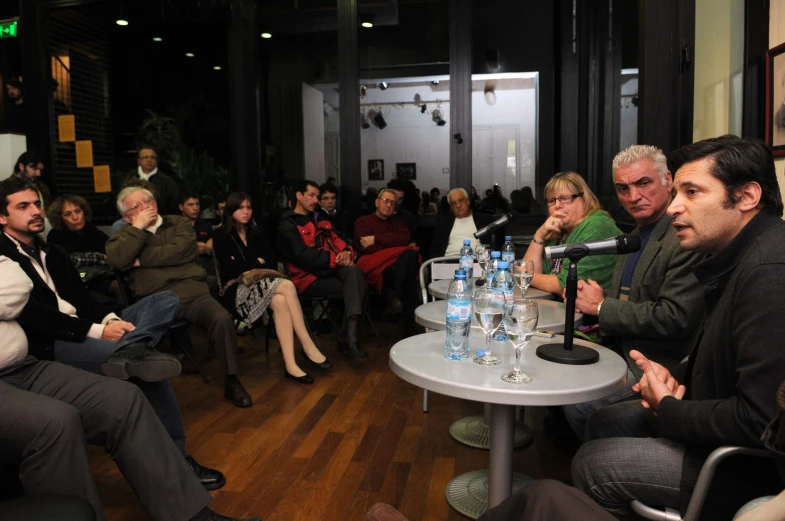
x=252, y=301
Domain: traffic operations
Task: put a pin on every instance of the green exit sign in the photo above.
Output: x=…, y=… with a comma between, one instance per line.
x=8, y=29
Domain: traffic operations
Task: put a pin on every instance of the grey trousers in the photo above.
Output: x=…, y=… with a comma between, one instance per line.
x=48, y=410
x=578, y=414
x=625, y=460
x=209, y=314
x=347, y=282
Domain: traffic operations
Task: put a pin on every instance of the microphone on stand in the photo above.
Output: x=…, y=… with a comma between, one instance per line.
x=495, y=225
x=615, y=246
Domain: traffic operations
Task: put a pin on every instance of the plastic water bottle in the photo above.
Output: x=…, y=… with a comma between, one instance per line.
x=508, y=250
x=459, y=317
x=504, y=282
x=466, y=262
x=491, y=269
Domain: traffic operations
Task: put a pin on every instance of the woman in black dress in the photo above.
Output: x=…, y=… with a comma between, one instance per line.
x=241, y=246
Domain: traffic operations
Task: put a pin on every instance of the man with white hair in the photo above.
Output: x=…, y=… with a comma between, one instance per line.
x=460, y=224
x=654, y=304
x=159, y=254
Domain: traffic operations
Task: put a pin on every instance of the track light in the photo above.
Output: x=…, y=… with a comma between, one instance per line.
x=363, y=91
x=423, y=109
x=379, y=121
x=436, y=116
x=435, y=82
x=364, y=121
x=384, y=85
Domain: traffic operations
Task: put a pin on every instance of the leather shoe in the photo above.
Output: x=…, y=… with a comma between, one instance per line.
x=321, y=365
x=208, y=515
x=236, y=393
x=210, y=479
x=352, y=351
x=395, y=307
x=304, y=379
x=139, y=361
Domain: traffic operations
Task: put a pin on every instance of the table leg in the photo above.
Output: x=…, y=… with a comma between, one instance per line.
x=500, y=467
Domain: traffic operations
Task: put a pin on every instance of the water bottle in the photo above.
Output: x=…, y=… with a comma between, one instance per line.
x=508, y=250
x=504, y=282
x=466, y=262
x=459, y=317
x=495, y=257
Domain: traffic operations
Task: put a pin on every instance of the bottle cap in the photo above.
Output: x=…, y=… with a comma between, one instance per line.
x=503, y=265
x=481, y=352
x=496, y=255
x=508, y=237
x=467, y=241
x=460, y=274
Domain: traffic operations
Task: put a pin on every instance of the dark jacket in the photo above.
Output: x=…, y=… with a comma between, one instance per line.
x=42, y=321
x=233, y=257
x=87, y=239
x=733, y=374
x=441, y=233
x=167, y=192
x=339, y=219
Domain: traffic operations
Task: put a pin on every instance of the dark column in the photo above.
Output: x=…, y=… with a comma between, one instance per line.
x=461, y=94
x=349, y=100
x=756, y=43
x=244, y=78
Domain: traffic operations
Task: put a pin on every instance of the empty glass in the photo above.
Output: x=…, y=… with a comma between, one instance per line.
x=523, y=273
x=520, y=321
x=483, y=259
x=488, y=305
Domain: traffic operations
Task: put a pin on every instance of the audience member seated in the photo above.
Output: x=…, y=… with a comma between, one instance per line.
x=73, y=230
x=399, y=186
x=575, y=215
x=655, y=303
x=79, y=332
x=49, y=410
x=320, y=262
x=390, y=263
x=328, y=208
x=166, y=190
x=220, y=204
x=727, y=203
x=190, y=208
x=250, y=283
x=474, y=200
x=131, y=181
x=451, y=230
x=428, y=207
x=158, y=253
x=30, y=166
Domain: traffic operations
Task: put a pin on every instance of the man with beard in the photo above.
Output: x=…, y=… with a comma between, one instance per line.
x=15, y=120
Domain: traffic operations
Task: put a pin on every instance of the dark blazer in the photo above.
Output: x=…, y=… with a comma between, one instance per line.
x=42, y=321
x=441, y=233
x=662, y=316
x=233, y=258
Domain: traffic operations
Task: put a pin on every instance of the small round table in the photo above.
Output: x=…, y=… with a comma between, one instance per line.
x=439, y=289
x=420, y=361
x=433, y=315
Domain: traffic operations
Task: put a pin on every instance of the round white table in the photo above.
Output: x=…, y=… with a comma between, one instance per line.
x=433, y=315
x=439, y=289
x=420, y=361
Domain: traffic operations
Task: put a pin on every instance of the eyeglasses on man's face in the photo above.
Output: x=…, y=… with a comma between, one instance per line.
x=388, y=202
x=138, y=206
x=564, y=199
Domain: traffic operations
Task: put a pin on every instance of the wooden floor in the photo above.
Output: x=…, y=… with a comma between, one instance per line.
x=330, y=450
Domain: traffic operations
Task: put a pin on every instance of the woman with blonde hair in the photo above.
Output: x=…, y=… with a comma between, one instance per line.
x=574, y=215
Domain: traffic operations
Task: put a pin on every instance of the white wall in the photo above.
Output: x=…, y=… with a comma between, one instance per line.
x=313, y=134
x=11, y=147
x=776, y=37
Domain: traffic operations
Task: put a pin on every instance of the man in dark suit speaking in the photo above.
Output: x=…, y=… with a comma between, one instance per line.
x=452, y=229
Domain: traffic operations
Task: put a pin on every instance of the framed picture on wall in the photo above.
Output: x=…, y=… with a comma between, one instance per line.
x=406, y=170
x=376, y=170
x=775, y=99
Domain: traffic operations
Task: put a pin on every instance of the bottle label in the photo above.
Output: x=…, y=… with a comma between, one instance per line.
x=459, y=311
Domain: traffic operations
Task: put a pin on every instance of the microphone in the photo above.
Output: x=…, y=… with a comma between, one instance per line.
x=495, y=225
x=614, y=246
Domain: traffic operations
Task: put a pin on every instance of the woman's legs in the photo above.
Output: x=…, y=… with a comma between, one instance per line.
x=288, y=291
x=283, y=327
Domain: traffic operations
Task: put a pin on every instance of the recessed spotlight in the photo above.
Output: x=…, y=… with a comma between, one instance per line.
x=189, y=55
x=384, y=85
x=267, y=36
x=122, y=22
x=367, y=25
x=217, y=68
x=157, y=39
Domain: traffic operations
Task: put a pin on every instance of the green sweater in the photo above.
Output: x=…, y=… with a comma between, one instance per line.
x=597, y=226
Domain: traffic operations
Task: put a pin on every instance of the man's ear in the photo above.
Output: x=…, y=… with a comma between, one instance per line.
x=3, y=219
x=180, y=207
x=750, y=195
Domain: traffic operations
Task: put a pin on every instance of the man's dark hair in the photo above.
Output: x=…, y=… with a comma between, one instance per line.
x=31, y=157
x=328, y=187
x=11, y=186
x=302, y=186
x=13, y=82
x=736, y=163
x=147, y=147
x=188, y=194
x=397, y=184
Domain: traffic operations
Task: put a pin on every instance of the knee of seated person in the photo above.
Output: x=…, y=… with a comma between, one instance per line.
x=60, y=418
x=583, y=462
x=278, y=301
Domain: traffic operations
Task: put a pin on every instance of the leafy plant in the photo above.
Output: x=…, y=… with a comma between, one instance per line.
x=161, y=133
x=200, y=173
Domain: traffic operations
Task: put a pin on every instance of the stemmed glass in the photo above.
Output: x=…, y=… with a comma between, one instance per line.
x=488, y=305
x=523, y=273
x=483, y=259
x=520, y=321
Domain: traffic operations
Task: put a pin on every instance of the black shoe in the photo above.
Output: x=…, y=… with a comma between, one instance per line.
x=208, y=515
x=352, y=351
x=236, y=393
x=395, y=307
x=304, y=379
x=210, y=479
x=321, y=365
x=139, y=361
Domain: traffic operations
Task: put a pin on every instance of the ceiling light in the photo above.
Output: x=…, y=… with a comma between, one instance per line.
x=366, y=24
x=364, y=122
x=435, y=82
x=217, y=68
x=383, y=85
x=121, y=22
x=379, y=121
x=437, y=118
x=267, y=36
x=189, y=55
x=157, y=39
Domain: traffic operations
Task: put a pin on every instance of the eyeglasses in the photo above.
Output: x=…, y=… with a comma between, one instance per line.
x=148, y=157
x=564, y=199
x=389, y=202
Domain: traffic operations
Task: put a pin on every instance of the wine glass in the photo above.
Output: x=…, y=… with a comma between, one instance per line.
x=520, y=321
x=488, y=305
x=483, y=259
x=523, y=273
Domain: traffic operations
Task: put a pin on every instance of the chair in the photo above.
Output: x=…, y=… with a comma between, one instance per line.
x=702, y=486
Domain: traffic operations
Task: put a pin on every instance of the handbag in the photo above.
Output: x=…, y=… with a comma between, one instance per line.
x=251, y=277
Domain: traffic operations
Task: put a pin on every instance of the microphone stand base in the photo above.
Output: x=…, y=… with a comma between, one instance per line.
x=578, y=355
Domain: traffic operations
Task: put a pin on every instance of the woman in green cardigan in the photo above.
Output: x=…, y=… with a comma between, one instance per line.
x=574, y=215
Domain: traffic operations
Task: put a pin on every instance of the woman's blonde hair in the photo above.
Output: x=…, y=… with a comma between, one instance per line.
x=572, y=183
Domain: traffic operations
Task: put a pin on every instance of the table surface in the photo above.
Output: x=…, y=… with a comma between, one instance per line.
x=433, y=315
x=439, y=289
x=420, y=361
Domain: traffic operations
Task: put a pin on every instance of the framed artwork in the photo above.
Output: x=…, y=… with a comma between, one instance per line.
x=406, y=170
x=775, y=99
x=376, y=170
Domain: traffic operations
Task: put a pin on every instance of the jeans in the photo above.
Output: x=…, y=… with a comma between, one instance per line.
x=151, y=316
x=578, y=414
x=624, y=460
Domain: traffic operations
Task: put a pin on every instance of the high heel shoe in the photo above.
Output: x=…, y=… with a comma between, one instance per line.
x=304, y=379
x=321, y=365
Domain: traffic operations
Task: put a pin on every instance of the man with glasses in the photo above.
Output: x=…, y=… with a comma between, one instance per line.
x=166, y=190
x=389, y=263
x=460, y=224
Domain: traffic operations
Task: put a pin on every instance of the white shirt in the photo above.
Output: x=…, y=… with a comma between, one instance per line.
x=461, y=229
x=15, y=289
x=144, y=176
x=154, y=227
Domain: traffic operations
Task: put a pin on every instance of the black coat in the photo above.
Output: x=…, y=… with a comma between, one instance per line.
x=42, y=321
x=441, y=233
x=167, y=192
x=88, y=239
x=234, y=257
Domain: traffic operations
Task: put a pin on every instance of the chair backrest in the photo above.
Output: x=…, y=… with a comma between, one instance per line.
x=438, y=268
